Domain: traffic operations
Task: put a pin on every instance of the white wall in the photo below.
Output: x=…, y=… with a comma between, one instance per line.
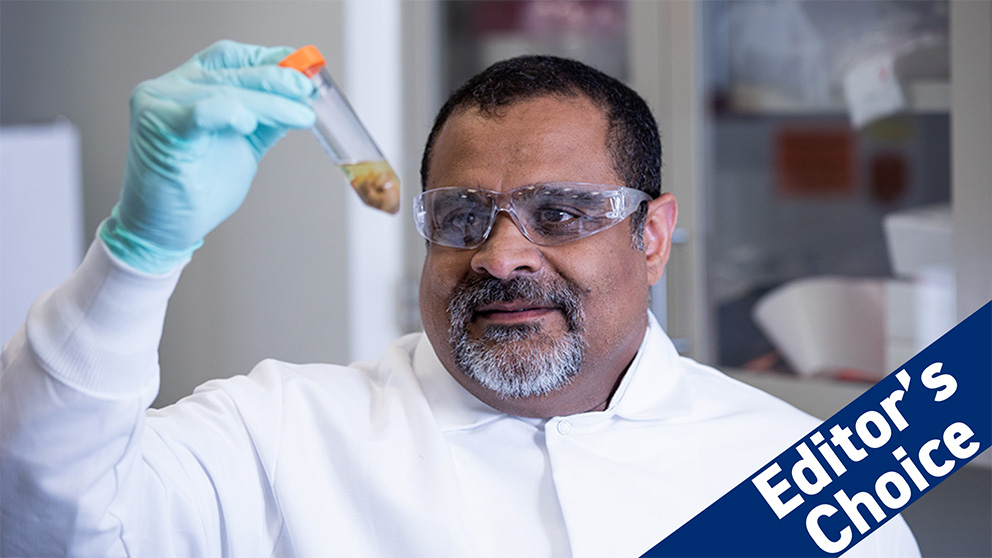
x=270, y=281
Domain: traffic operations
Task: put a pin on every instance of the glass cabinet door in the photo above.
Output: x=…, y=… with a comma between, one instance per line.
x=481, y=32
x=826, y=150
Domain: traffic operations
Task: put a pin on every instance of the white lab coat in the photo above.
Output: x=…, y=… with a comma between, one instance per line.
x=391, y=458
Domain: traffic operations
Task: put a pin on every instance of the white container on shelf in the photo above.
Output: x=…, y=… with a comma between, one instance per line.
x=824, y=325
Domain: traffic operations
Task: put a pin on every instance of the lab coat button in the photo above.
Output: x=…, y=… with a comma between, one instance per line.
x=564, y=427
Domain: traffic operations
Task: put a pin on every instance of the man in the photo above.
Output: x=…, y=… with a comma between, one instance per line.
x=542, y=413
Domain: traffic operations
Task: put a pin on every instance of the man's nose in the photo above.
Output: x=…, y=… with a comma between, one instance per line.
x=507, y=252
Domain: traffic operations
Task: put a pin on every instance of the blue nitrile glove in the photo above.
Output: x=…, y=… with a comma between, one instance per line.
x=197, y=135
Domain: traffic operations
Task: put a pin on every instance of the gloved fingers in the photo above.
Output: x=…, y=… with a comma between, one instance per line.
x=244, y=112
x=265, y=137
x=219, y=113
x=231, y=54
x=271, y=79
x=272, y=110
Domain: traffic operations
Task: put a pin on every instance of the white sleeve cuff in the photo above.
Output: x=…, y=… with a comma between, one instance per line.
x=99, y=331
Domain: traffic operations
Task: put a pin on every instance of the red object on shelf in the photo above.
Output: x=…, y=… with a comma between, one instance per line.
x=815, y=162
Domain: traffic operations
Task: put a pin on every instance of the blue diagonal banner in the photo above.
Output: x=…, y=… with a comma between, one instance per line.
x=861, y=467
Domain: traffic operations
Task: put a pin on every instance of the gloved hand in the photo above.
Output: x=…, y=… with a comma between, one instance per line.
x=197, y=135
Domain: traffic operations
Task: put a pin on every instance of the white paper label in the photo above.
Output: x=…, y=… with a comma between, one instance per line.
x=872, y=90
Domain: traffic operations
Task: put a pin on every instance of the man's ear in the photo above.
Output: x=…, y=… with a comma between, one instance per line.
x=663, y=212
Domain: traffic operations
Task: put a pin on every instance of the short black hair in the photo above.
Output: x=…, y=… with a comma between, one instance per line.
x=632, y=137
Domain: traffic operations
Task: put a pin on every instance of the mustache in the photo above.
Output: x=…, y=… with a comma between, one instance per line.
x=479, y=291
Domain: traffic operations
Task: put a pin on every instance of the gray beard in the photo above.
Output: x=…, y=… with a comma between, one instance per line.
x=521, y=360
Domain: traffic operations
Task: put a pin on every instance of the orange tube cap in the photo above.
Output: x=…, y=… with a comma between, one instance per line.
x=307, y=59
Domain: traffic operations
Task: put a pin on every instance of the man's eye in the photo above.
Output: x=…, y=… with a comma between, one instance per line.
x=461, y=219
x=555, y=216
x=554, y=221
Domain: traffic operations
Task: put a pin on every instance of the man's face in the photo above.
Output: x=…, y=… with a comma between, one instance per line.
x=537, y=330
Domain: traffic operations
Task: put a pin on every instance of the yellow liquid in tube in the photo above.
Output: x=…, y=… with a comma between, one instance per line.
x=375, y=182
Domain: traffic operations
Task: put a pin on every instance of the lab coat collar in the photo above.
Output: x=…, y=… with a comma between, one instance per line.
x=652, y=389
x=654, y=386
x=453, y=406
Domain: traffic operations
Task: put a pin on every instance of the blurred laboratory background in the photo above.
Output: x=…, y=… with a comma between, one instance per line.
x=832, y=162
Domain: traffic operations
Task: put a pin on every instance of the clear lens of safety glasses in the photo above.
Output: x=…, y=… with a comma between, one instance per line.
x=547, y=214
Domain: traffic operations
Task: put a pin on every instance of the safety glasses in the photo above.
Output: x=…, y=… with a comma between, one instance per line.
x=547, y=214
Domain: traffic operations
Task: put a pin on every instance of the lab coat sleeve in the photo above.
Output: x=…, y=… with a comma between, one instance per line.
x=75, y=382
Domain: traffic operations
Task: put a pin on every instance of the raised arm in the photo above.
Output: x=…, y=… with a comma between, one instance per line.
x=77, y=377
